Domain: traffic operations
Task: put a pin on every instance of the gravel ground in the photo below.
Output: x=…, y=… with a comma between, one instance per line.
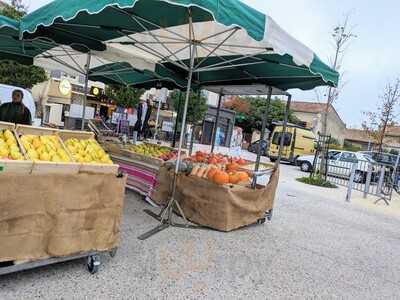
x=317, y=246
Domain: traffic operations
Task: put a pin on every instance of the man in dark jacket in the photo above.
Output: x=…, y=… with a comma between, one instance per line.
x=16, y=111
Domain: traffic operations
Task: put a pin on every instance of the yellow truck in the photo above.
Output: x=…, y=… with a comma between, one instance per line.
x=297, y=141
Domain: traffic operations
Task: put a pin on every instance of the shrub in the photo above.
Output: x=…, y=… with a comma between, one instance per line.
x=317, y=181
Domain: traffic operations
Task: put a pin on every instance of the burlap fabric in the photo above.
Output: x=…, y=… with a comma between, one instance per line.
x=45, y=216
x=223, y=208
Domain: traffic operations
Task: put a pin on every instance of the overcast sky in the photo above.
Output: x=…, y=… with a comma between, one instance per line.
x=371, y=60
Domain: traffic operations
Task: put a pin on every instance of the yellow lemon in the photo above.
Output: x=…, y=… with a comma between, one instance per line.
x=44, y=156
x=33, y=154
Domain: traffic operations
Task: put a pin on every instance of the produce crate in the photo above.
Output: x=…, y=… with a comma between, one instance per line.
x=6, y=125
x=150, y=160
x=14, y=166
x=88, y=167
x=40, y=167
x=113, y=147
x=157, y=162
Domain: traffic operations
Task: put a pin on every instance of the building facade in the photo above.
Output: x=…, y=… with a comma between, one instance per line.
x=311, y=115
x=62, y=96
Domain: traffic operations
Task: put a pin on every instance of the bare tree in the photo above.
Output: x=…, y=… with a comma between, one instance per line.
x=378, y=122
x=342, y=35
x=19, y=5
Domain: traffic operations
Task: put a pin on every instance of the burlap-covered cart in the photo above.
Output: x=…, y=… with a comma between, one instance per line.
x=221, y=207
x=53, y=212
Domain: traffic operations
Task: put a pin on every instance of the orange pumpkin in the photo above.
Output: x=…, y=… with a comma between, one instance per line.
x=221, y=178
x=232, y=167
x=234, y=178
x=212, y=161
x=211, y=173
x=241, y=162
x=243, y=176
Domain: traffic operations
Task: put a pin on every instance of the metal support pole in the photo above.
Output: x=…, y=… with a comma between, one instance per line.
x=381, y=179
x=396, y=166
x=285, y=121
x=166, y=214
x=214, y=136
x=194, y=122
x=177, y=119
x=368, y=181
x=87, y=70
x=262, y=137
x=351, y=182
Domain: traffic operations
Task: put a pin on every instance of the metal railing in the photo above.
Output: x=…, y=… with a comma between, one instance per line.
x=369, y=178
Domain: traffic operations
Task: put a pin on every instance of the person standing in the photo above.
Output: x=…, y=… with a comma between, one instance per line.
x=141, y=116
x=146, y=127
x=16, y=111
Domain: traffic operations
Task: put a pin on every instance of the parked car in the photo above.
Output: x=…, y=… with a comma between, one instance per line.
x=340, y=164
x=386, y=159
x=255, y=146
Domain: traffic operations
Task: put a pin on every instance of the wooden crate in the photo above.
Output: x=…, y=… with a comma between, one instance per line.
x=16, y=166
x=31, y=130
x=49, y=167
x=11, y=127
x=71, y=134
x=97, y=168
x=143, y=158
x=113, y=148
x=6, y=125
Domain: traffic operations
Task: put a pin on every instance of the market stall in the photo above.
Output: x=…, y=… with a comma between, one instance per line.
x=202, y=44
x=62, y=198
x=199, y=45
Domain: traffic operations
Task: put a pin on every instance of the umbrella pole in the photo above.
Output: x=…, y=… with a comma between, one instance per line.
x=262, y=137
x=214, y=136
x=166, y=214
x=285, y=122
x=87, y=69
x=194, y=122
x=177, y=119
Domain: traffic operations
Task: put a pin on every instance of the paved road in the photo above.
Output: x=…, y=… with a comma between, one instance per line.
x=317, y=246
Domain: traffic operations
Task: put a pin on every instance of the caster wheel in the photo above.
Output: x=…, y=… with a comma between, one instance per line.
x=261, y=221
x=269, y=215
x=113, y=252
x=93, y=264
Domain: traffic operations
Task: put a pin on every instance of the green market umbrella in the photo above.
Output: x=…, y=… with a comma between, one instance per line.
x=227, y=35
x=203, y=42
x=73, y=59
x=11, y=48
x=124, y=74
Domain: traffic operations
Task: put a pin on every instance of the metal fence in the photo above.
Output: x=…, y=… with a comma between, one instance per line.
x=367, y=177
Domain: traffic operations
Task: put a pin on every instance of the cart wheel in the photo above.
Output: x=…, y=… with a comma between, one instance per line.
x=93, y=264
x=113, y=252
x=269, y=214
x=261, y=221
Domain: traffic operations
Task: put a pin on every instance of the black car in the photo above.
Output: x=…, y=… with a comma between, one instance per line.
x=255, y=146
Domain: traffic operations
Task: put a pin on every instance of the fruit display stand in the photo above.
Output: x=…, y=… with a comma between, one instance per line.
x=142, y=170
x=216, y=197
x=49, y=216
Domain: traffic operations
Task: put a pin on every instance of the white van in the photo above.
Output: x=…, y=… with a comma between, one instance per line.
x=6, y=94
